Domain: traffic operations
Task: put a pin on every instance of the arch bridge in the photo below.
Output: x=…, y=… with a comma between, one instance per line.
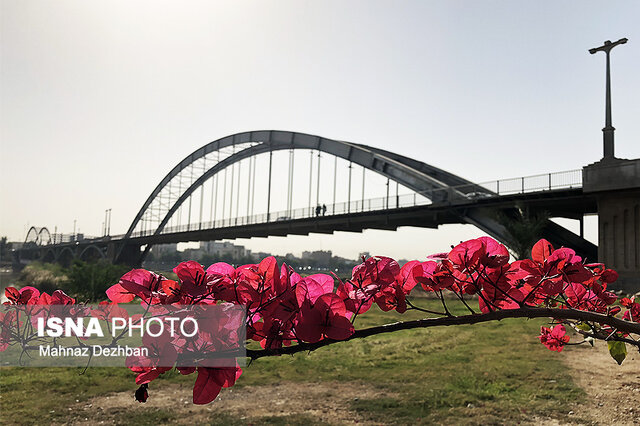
x=263, y=183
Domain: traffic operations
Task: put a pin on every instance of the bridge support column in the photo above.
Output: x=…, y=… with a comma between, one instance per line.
x=616, y=183
x=129, y=255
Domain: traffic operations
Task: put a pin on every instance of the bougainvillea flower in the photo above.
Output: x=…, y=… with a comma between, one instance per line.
x=538, y=284
x=312, y=287
x=495, y=254
x=23, y=296
x=563, y=256
x=392, y=297
x=139, y=282
x=172, y=292
x=325, y=318
x=609, y=276
x=555, y=338
x=579, y=297
x=283, y=307
x=607, y=297
x=59, y=297
x=221, y=279
x=378, y=270
x=118, y=294
x=467, y=254
x=406, y=278
x=220, y=268
x=491, y=301
x=211, y=380
x=434, y=276
x=277, y=333
x=193, y=279
x=161, y=358
x=627, y=302
x=7, y=323
x=576, y=273
x=270, y=272
x=357, y=300
x=541, y=251
x=190, y=272
x=633, y=309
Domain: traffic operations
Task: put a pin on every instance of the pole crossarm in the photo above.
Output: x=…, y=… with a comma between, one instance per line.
x=608, y=45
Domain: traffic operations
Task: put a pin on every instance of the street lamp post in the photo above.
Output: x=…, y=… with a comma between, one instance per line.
x=608, y=126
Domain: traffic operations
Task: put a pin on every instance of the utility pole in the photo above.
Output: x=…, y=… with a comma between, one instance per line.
x=107, y=221
x=608, y=129
x=269, y=186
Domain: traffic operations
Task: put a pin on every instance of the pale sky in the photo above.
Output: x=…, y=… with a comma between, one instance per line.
x=100, y=99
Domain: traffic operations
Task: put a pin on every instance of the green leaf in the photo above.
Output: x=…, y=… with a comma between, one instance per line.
x=583, y=326
x=618, y=350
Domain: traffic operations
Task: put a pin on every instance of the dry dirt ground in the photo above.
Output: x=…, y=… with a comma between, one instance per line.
x=321, y=401
x=613, y=397
x=613, y=391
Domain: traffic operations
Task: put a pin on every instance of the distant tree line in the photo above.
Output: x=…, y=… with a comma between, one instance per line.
x=5, y=248
x=85, y=281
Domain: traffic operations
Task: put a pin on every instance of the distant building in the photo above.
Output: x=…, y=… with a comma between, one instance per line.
x=191, y=254
x=257, y=257
x=317, y=258
x=225, y=248
x=77, y=237
x=16, y=245
x=164, y=248
x=341, y=260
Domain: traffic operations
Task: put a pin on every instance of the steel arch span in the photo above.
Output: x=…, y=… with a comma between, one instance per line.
x=197, y=168
x=38, y=236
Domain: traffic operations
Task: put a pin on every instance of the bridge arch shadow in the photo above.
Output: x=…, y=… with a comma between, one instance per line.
x=49, y=256
x=66, y=257
x=92, y=253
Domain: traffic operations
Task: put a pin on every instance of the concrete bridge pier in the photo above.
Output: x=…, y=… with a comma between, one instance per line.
x=129, y=254
x=616, y=184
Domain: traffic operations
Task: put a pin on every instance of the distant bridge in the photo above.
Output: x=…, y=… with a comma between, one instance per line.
x=212, y=176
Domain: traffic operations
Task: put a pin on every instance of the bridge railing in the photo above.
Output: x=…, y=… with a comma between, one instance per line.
x=59, y=238
x=461, y=194
x=527, y=184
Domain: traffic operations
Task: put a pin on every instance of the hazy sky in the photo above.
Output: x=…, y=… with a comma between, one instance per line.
x=100, y=99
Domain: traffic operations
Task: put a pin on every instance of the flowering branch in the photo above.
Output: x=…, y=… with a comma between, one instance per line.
x=530, y=313
x=287, y=313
